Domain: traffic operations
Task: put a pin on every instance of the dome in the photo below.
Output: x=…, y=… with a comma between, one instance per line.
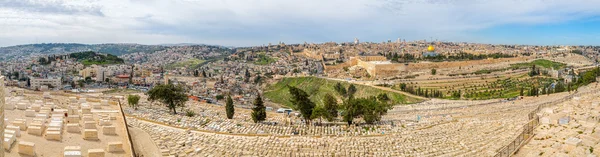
x=430, y=48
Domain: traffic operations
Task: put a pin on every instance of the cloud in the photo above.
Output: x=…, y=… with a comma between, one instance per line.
x=257, y=22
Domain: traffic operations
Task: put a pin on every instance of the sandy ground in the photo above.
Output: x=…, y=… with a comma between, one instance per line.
x=48, y=148
x=143, y=144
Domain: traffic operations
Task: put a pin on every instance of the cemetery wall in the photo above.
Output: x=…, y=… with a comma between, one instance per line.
x=2, y=95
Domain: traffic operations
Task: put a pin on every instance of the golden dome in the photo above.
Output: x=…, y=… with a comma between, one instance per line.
x=430, y=48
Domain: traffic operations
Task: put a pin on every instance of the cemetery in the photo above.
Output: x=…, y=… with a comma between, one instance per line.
x=436, y=127
x=59, y=124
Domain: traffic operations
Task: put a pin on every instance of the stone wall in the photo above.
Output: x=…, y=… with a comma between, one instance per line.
x=421, y=66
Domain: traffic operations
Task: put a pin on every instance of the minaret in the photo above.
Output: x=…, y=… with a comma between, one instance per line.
x=356, y=41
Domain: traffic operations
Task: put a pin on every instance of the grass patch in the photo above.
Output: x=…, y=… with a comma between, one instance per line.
x=318, y=87
x=263, y=59
x=540, y=62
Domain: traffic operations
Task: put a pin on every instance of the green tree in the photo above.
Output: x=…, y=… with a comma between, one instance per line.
x=340, y=89
x=433, y=71
x=229, y=107
x=369, y=109
x=169, y=94
x=302, y=102
x=219, y=97
x=133, y=100
x=81, y=83
x=383, y=97
x=331, y=107
x=319, y=112
x=521, y=93
x=559, y=87
x=88, y=79
x=259, y=112
x=351, y=91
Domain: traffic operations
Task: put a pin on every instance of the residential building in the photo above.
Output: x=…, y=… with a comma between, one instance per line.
x=50, y=82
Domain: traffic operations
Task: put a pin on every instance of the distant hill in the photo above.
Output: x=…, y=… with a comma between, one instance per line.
x=11, y=52
x=90, y=57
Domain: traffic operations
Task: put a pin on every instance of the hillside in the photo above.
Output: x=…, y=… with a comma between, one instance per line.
x=90, y=57
x=11, y=52
x=318, y=87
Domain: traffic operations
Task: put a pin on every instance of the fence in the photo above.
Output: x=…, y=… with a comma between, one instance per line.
x=528, y=128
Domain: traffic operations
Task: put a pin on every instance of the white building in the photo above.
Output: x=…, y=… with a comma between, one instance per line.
x=50, y=82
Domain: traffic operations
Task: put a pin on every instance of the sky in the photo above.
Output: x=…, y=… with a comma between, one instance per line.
x=259, y=22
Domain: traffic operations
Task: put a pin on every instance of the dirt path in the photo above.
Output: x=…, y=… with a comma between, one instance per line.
x=143, y=144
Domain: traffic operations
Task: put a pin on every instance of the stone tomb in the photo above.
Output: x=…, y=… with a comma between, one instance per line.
x=35, y=130
x=115, y=147
x=73, y=119
x=30, y=113
x=89, y=125
x=21, y=123
x=96, y=153
x=16, y=129
x=9, y=139
x=72, y=151
x=109, y=130
x=73, y=128
x=27, y=148
x=90, y=134
x=22, y=106
x=53, y=135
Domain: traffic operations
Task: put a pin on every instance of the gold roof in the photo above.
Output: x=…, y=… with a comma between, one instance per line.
x=430, y=48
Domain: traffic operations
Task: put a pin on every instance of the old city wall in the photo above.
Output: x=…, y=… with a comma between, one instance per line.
x=312, y=54
x=421, y=66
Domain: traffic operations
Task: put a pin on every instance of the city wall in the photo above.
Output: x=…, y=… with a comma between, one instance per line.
x=393, y=69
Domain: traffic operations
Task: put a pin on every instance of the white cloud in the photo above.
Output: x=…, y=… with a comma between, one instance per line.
x=253, y=22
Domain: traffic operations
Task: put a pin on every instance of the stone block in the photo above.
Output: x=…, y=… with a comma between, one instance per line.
x=86, y=110
x=16, y=129
x=27, y=148
x=73, y=128
x=41, y=115
x=72, y=148
x=90, y=134
x=21, y=124
x=35, y=130
x=36, y=108
x=22, y=106
x=109, y=130
x=89, y=125
x=11, y=132
x=30, y=113
x=105, y=122
x=88, y=117
x=72, y=154
x=73, y=119
x=8, y=142
x=115, y=147
x=96, y=153
x=53, y=135
x=574, y=141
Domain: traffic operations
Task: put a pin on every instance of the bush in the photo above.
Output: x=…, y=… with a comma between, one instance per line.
x=190, y=113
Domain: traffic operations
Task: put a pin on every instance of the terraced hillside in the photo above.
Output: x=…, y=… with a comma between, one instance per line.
x=318, y=87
